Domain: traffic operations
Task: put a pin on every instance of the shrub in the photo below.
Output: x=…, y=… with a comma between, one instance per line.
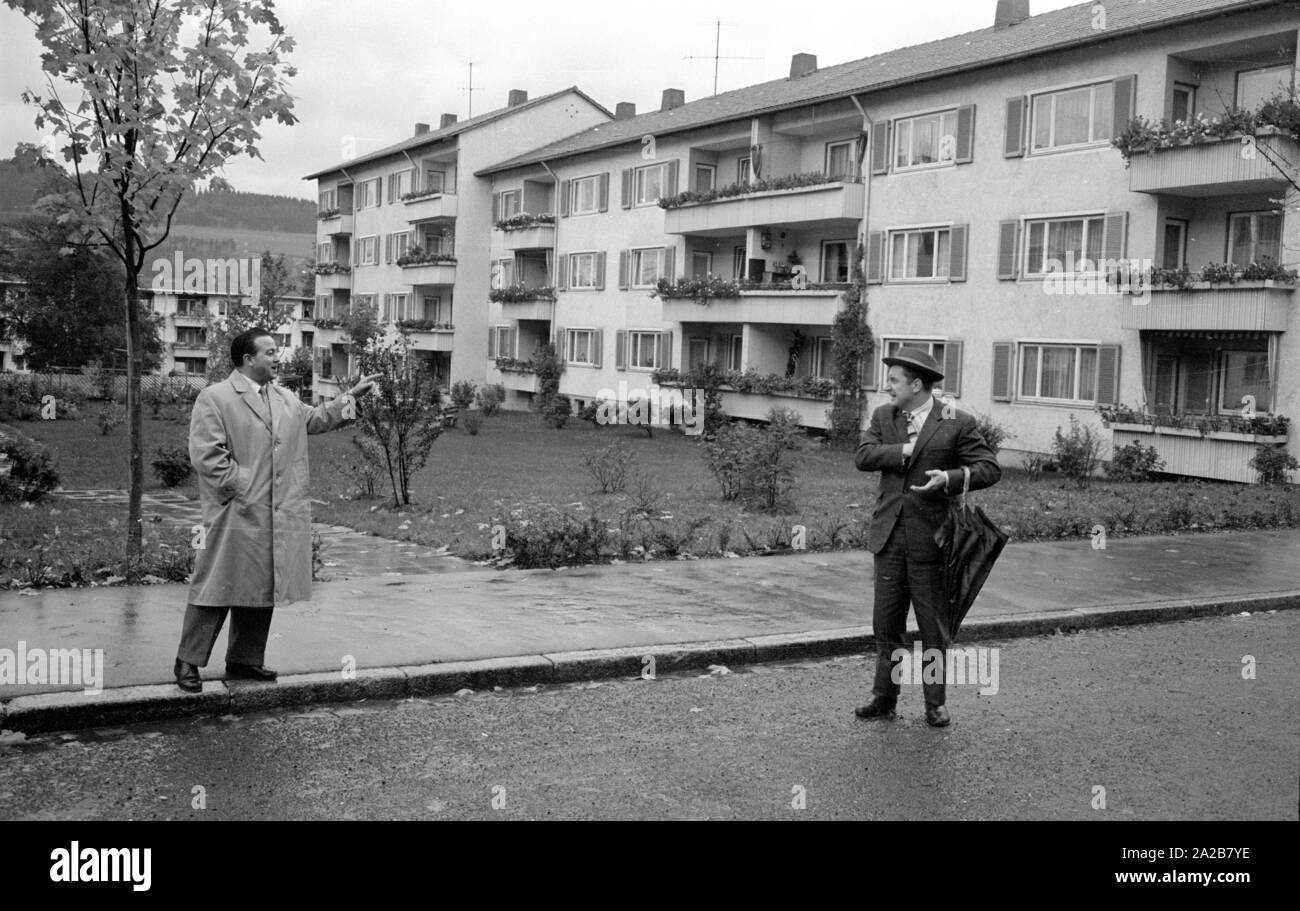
x=993, y=433
x=751, y=464
x=609, y=466
x=31, y=470
x=172, y=465
x=472, y=421
x=549, y=537
x=1076, y=453
x=110, y=417
x=783, y=424
x=365, y=466
x=559, y=410
x=1134, y=462
x=490, y=399
x=1274, y=464
x=462, y=393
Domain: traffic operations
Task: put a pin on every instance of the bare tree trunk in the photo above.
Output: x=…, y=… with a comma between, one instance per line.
x=134, y=367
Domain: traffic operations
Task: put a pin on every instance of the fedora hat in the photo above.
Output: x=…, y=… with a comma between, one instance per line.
x=918, y=360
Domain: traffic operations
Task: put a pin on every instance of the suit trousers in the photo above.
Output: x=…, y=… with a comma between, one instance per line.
x=249, y=627
x=900, y=580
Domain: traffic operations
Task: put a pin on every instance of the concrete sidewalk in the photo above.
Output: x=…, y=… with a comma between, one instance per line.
x=417, y=635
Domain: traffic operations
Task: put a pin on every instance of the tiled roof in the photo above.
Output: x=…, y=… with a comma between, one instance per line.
x=453, y=130
x=1069, y=27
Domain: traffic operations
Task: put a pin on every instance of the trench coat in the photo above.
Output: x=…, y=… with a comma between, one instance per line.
x=253, y=490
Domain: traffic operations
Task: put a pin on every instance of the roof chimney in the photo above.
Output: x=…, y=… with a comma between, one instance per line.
x=516, y=98
x=1011, y=12
x=624, y=110
x=446, y=121
x=803, y=65
x=421, y=128
x=673, y=98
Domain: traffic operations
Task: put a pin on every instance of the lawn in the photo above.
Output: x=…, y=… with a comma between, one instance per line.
x=518, y=469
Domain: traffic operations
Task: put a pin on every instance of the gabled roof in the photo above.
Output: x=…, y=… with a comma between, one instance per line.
x=1064, y=28
x=455, y=129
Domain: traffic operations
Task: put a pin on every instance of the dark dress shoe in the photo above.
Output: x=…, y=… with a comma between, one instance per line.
x=876, y=708
x=187, y=677
x=936, y=716
x=250, y=672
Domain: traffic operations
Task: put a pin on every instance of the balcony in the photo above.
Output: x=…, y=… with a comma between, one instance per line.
x=1223, y=168
x=1247, y=306
x=430, y=273
x=430, y=208
x=185, y=347
x=519, y=382
x=335, y=279
x=754, y=406
x=329, y=333
x=821, y=205
x=427, y=338
x=798, y=308
x=1220, y=455
x=538, y=237
x=193, y=318
x=336, y=225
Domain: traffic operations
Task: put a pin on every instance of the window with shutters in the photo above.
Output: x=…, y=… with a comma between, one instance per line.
x=400, y=183
x=585, y=195
x=325, y=253
x=582, y=270
x=503, y=273
x=936, y=348
x=920, y=255
x=581, y=347
x=368, y=250
x=1253, y=237
x=647, y=267
x=840, y=159
x=925, y=142
x=1056, y=245
x=500, y=342
x=643, y=350
x=648, y=184
x=324, y=306
x=735, y=348
x=1072, y=118
x=368, y=193
x=401, y=244
x=1058, y=373
x=328, y=200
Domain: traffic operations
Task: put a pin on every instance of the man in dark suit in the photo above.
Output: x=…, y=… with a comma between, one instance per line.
x=919, y=446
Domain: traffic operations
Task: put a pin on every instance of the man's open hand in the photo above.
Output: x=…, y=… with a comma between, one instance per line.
x=365, y=384
x=938, y=481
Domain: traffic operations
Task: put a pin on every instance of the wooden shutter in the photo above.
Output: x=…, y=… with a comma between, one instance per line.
x=388, y=248
x=624, y=263
x=1113, y=239
x=620, y=349
x=562, y=344
x=670, y=263
x=496, y=207
x=1008, y=249
x=670, y=182
x=875, y=257
x=664, y=357
x=597, y=344
x=1125, y=101
x=880, y=148
x=600, y=270
x=1108, y=375
x=1003, y=372
x=627, y=188
x=562, y=272
x=512, y=342
x=379, y=191
x=564, y=198
x=952, y=367
x=492, y=341
x=965, y=134
x=602, y=192
x=957, y=253
x=356, y=252
x=1013, y=145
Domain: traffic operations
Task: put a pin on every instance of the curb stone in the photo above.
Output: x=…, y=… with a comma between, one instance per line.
x=45, y=712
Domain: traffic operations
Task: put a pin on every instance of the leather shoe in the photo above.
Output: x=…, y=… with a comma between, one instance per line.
x=876, y=708
x=187, y=677
x=250, y=672
x=936, y=716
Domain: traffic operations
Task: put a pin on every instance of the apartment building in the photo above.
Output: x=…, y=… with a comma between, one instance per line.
x=405, y=230
x=1000, y=229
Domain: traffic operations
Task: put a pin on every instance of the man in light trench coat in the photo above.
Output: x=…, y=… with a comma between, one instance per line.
x=248, y=445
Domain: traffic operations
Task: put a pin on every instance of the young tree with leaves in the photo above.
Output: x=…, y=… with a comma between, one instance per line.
x=166, y=92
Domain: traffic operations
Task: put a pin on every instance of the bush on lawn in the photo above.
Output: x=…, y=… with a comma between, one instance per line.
x=172, y=465
x=31, y=471
x=752, y=464
x=1274, y=464
x=490, y=399
x=1076, y=453
x=1134, y=462
x=364, y=465
x=549, y=537
x=559, y=410
x=472, y=422
x=609, y=466
x=462, y=393
x=993, y=433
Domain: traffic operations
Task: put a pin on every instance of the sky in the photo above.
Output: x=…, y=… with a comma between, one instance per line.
x=368, y=71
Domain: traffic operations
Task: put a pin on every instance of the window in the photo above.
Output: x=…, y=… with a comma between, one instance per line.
x=581, y=347
x=582, y=270
x=324, y=305
x=1244, y=373
x=282, y=340
x=647, y=267
x=922, y=142
x=919, y=255
x=324, y=253
x=500, y=342
x=697, y=353
x=399, y=184
x=368, y=193
x=1253, y=237
x=509, y=204
x=434, y=181
x=743, y=170
x=503, y=273
x=835, y=261
x=735, y=347
x=188, y=305
x=824, y=357
x=738, y=262
x=585, y=195
x=935, y=348
x=398, y=245
x=1061, y=244
x=1184, y=107
x=439, y=241
x=649, y=184
x=701, y=264
x=643, y=350
x=1254, y=87
x=328, y=200
x=363, y=301
x=434, y=310
x=839, y=159
x=1073, y=118
x=368, y=251
x=705, y=175
x=395, y=307
x=1175, y=251
x=1061, y=373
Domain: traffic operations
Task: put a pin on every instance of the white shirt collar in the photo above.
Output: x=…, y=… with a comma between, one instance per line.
x=920, y=414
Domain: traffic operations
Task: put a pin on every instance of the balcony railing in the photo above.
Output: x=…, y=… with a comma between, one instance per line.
x=780, y=305
x=1246, y=306
x=839, y=200
x=430, y=206
x=1234, y=165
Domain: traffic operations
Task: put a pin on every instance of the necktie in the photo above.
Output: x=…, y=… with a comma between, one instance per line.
x=266, y=400
x=912, y=432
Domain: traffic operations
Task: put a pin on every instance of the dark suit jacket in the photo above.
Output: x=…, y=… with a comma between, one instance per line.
x=945, y=444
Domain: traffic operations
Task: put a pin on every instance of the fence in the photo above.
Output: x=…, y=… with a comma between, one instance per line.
x=91, y=386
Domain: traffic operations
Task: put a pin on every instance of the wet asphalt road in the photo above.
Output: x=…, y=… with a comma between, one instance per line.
x=1159, y=716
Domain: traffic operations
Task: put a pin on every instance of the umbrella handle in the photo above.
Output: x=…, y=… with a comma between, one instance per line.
x=965, y=485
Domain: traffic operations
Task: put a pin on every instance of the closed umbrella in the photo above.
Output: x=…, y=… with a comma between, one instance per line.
x=971, y=544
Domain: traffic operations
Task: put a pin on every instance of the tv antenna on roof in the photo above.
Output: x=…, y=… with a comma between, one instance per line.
x=717, y=48
x=470, y=90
